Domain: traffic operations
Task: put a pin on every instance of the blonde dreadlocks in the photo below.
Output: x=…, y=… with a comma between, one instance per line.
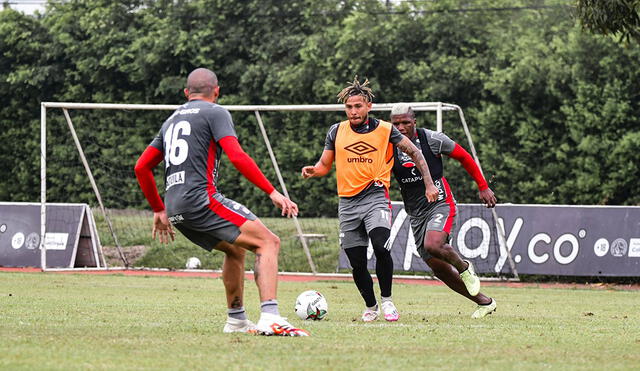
x=355, y=88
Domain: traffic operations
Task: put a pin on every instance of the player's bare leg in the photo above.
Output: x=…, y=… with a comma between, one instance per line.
x=233, y=280
x=450, y=276
x=435, y=242
x=256, y=237
x=233, y=273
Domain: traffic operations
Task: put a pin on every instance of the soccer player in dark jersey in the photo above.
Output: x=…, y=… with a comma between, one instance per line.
x=191, y=142
x=362, y=148
x=432, y=222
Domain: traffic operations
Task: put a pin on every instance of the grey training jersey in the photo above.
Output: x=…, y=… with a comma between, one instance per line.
x=189, y=140
x=410, y=179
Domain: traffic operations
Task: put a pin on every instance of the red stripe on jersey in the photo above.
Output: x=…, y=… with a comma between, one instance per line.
x=452, y=206
x=215, y=205
x=388, y=197
x=211, y=163
x=226, y=213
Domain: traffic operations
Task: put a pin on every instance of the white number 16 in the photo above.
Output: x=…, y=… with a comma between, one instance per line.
x=176, y=149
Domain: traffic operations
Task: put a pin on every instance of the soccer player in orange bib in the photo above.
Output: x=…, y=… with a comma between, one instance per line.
x=362, y=148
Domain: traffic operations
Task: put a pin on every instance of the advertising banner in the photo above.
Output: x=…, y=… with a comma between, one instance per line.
x=70, y=240
x=542, y=239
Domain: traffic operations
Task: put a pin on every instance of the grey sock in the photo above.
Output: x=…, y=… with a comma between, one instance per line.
x=270, y=306
x=237, y=313
x=385, y=298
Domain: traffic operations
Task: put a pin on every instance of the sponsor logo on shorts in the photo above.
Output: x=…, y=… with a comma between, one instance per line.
x=175, y=178
x=176, y=219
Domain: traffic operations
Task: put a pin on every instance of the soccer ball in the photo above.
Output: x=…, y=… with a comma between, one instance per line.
x=193, y=263
x=311, y=305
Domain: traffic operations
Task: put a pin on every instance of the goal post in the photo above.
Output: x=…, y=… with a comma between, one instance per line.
x=258, y=111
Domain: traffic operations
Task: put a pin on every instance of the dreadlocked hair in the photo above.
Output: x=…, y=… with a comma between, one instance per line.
x=355, y=88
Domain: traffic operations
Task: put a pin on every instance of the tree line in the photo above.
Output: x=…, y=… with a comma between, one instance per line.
x=553, y=110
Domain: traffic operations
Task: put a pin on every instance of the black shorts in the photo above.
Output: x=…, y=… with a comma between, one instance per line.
x=219, y=221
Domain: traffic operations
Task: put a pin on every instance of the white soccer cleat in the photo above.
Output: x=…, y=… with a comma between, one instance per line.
x=390, y=312
x=471, y=280
x=238, y=325
x=370, y=315
x=274, y=325
x=484, y=310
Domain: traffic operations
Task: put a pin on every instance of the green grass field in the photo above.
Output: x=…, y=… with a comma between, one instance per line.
x=133, y=228
x=115, y=322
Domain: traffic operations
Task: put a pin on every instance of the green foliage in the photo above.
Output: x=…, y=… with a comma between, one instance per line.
x=618, y=17
x=553, y=111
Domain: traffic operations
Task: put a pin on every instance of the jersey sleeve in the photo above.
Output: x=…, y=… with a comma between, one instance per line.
x=470, y=166
x=245, y=164
x=396, y=136
x=149, y=159
x=330, y=140
x=157, y=142
x=221, y=124
x=440, y=143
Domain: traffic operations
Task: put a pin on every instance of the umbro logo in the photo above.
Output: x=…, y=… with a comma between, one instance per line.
x=360, y=148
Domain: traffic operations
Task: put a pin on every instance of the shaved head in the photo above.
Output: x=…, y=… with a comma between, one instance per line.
x=201, y=81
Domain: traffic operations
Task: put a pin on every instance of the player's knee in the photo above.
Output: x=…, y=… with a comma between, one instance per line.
x=357, y=258
x=235, y=253
x=381, y=251
x=273, y=242
x=432, y=247
x=380, y=241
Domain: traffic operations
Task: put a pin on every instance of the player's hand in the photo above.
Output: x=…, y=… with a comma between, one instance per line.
x=431, y=192
x=288, y=207
x=308, y=171
x=488, y=198
x=162, y=227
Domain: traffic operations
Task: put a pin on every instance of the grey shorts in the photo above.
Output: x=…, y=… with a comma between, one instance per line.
x=441, y=217
x=219, y=221
x=359, y=216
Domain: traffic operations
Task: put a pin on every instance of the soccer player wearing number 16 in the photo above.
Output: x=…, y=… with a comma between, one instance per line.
x=432, y=222
x=191, y=142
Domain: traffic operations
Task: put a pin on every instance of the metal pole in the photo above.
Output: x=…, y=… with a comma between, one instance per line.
x=284, y=190
x=43, y=186
x=94, y=185
x=499, y=226
x=439, y=118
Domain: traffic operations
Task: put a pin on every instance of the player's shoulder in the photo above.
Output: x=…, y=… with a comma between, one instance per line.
x=334, y=127
x=208, y=106
x=435, y=135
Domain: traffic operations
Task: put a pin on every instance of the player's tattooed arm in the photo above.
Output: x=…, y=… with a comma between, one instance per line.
x=405, y=145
